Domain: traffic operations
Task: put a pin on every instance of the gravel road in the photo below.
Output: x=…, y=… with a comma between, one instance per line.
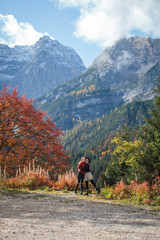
x=57, y=217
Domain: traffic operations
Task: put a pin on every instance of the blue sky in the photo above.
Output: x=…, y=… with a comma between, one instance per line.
x=85, y=25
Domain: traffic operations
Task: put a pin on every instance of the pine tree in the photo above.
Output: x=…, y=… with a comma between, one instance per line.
x=150, y=134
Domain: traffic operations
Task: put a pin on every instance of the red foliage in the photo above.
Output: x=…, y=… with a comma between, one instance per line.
x=30, y=180
x=66, y=181
x=141, y=188
x=138, y=191
x=25, y=135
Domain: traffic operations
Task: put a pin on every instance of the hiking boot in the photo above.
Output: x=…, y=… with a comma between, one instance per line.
x=86, y=194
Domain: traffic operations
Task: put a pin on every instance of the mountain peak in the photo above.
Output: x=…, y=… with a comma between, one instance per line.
x=38, y=68
x=46, y=39
x=139, y=49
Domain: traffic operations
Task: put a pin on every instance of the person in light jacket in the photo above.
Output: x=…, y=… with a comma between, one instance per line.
x=88, y=176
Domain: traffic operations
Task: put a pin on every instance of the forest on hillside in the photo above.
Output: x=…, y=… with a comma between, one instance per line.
x=124, y=143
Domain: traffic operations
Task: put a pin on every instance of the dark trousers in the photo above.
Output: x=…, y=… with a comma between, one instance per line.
x=92, y=182
x=80, y=181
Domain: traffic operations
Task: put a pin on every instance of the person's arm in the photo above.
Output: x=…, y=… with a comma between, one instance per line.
x=86, y=168
x=80, y=165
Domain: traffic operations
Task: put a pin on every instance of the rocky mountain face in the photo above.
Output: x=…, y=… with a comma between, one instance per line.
x=130, y=66
x=39, y=68
x=125, y=72
x=126, y=61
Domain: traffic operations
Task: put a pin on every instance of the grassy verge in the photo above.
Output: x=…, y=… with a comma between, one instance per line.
x=43, y=193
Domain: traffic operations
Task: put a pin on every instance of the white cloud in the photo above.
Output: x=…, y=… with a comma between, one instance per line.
x=105, y=21
x=18, y=33
x=75, y=3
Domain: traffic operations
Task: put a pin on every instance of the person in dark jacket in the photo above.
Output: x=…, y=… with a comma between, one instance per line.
x=80, y=175
x=88, y=176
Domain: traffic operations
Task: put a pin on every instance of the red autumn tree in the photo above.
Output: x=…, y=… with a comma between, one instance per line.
x=27, y=134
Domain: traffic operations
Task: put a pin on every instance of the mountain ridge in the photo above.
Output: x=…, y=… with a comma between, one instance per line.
x=100, y=89
x=38, y=68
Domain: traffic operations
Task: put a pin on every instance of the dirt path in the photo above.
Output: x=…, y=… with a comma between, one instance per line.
x=56, y=217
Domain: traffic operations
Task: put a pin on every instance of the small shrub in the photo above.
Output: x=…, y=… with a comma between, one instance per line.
x=107, y=192
x=140, y=192
x=121, y=190
x=146, y=201
x=66, y=181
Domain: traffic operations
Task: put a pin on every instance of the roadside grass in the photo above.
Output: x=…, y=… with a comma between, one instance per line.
x=32, y=184
x=44, y=193
x=13, y=192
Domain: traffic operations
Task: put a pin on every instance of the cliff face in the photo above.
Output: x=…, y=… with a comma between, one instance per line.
x=39, y=68
x=123, y=73
x=127, y=61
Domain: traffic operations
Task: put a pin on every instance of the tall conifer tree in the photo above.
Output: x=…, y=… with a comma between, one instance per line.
x=150, y=134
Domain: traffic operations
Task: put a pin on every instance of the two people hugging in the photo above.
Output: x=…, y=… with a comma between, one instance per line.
x=84, y=174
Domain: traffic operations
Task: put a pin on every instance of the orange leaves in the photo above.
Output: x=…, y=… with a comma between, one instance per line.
x=30, y=180
x=24, y=134
x=86, y=90
x=66, y=181
x=35, y=179
x=104, y=153
x=140, y=192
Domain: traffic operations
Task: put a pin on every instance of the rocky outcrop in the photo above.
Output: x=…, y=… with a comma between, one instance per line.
x=142, y=89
